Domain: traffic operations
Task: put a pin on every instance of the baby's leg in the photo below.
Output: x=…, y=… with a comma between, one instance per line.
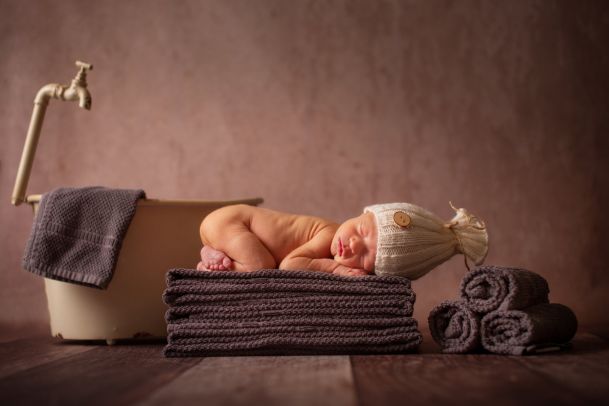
x=227, y=230
x=214, y=260
x=247, y=252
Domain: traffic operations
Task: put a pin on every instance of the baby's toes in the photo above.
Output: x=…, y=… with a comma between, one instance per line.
x=227, y=263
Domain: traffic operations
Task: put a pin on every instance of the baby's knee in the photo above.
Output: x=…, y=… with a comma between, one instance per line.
x=215, y=222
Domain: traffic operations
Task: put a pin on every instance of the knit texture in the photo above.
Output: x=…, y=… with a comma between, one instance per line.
x=426, y=241
x=505, y=311
x=455, y=327
x=530, y=330
x=287, y=312
x=78, y=232
x=489, y=288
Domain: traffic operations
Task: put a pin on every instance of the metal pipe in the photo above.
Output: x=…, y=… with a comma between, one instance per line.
x=76, y=91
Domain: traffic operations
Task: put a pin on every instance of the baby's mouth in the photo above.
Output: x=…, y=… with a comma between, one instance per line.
x=341, y=249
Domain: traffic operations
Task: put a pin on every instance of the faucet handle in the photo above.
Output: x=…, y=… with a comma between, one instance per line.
x=84, y=66
x=81, y=77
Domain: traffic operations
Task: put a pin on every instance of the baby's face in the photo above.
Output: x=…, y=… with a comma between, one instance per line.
x=354, y=244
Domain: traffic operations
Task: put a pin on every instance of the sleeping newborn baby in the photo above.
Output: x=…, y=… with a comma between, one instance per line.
x=387, y=239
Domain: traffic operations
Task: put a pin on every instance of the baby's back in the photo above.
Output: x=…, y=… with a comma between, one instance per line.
x=280, y=232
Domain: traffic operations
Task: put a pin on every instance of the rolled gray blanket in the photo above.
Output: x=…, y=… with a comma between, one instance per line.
x=455, y=327
x=534, y=329
x=287, y=339
x=489, y=288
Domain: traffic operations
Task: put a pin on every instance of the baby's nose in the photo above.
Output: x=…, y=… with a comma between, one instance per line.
x=355, y=244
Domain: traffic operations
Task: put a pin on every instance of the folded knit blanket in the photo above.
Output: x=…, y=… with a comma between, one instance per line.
x=287, y=312
x=534, y=329
x=77, y=234
x=283, y=338
x=188, y=281
x=455, y=327
x=489, y=288
x=200, y=322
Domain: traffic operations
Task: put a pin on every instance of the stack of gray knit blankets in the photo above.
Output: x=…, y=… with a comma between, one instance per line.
x=287, y=312
x=504, y=311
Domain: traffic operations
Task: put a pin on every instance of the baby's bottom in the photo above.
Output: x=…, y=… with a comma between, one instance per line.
x=243, y=252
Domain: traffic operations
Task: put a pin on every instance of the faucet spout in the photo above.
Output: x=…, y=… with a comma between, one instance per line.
x=77, y=93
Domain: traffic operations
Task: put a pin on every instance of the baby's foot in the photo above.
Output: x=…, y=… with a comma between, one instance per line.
x=214, y=260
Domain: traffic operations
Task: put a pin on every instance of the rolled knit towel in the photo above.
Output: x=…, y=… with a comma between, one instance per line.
x=489, y=288
x=530, y=330
x=286, y=339
x=455, y=327
x=78, y=232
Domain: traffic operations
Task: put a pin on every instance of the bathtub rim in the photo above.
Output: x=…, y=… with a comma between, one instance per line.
x=255, y=201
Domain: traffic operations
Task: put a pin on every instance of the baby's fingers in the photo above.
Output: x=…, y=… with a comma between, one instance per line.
x=344, y=271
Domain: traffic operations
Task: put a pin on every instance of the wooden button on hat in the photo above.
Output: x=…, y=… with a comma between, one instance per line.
x=401, y=219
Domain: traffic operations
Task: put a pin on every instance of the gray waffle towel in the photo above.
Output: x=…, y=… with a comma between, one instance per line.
x=534, y=329
x=77, y=234
x=287, y=312
x=455, y=327
x=489, y=288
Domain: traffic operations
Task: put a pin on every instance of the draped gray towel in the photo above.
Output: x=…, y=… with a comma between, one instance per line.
x=78, y=232
x=455, y=327
x=287, y=312
x=534, y=329
x=488, y=288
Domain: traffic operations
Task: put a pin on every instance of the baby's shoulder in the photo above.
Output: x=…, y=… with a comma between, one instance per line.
x=314, y=226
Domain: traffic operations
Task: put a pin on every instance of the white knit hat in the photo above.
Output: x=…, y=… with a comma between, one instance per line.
x=412, y=241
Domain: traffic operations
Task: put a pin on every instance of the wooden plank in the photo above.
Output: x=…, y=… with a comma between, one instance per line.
x=120, y=374
x=599, y=330
x=12, y=332
x=442, y=379
x=20, y=355
x=584, y=369
x=263, y=380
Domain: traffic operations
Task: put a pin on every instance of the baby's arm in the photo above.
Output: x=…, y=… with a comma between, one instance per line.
x=314, y=255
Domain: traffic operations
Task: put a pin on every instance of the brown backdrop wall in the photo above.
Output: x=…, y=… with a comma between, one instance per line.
x=322, y=107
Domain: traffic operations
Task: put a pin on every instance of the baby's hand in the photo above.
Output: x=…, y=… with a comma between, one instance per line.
x=346, y=271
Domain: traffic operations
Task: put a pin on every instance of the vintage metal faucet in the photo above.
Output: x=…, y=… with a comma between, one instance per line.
x=77, y=90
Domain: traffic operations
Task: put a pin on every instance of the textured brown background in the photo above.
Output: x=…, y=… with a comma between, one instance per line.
x=322, y=107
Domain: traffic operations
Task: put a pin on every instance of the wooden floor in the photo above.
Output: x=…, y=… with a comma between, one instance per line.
x=43, y=370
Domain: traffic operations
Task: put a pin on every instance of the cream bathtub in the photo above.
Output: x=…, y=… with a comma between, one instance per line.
x=163, y=234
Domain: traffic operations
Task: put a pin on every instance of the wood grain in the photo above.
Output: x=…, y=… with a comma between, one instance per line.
x=104, y=375
x=21, y=355
x=454, y=379
x=286, y=380
x=45, y=371
x=584, y=370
